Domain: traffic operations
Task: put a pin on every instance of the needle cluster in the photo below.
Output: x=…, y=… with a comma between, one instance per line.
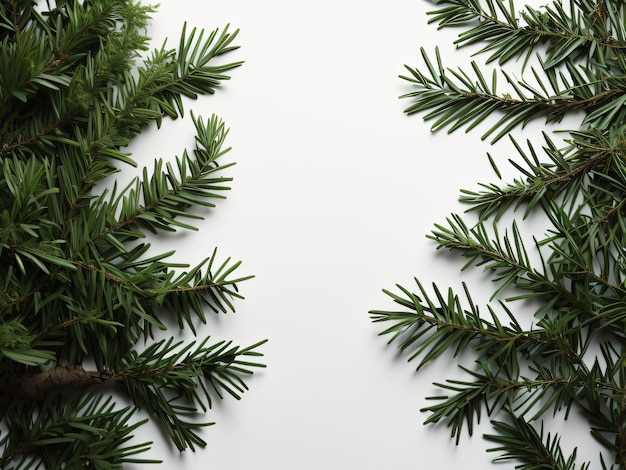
x=81, y=290
x=569, y=283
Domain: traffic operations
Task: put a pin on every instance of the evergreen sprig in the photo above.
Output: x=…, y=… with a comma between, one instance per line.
x=85, y=430
x=583, y=68
x=567, y=284
x=521, y=442
x=79, y=283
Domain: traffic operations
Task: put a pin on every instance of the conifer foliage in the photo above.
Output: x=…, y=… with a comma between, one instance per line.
x=81, y=292
x=568, y=353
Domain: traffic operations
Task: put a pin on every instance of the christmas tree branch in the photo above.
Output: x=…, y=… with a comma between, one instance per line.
x=75, y=433
x=158, y=199
x=74, y=289
x=471, y=101
x=509, y=35
x=520, y=442
x=570, y=357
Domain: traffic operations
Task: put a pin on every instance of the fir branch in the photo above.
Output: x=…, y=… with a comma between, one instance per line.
x=489, y=391
x=76, y=287
x=542, y=181
x=522, y=443
x=510, y=34
x=147, y=377
x=167, y=194
x=79, y=432
x=432, y=327
x=570, y=357
x=453, y=98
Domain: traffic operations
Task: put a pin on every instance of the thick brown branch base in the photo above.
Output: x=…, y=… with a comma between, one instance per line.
x=35, y=386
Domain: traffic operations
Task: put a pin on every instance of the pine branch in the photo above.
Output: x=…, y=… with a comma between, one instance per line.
x=157, y=200
x=541, y=181
x=569, y=358
x=80, y=432
x=78, y=284
x=455, y=99
x=489, y=391
x=508, y=34
x=522, y=443
x=432, y=327
x=146, y=379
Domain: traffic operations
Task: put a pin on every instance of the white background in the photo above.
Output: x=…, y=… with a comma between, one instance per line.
x=334, y=191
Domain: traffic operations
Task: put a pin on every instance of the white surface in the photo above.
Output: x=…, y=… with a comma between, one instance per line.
x=334, y=192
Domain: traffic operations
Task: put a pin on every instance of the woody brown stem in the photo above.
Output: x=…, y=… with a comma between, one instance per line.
x=35, y=386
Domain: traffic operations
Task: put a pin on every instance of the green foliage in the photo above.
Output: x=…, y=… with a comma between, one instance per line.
x=79, y=284
x=81, y=431
x=571, y=358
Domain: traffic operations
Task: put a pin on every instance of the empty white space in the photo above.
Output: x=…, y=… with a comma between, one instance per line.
x=334, y=192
